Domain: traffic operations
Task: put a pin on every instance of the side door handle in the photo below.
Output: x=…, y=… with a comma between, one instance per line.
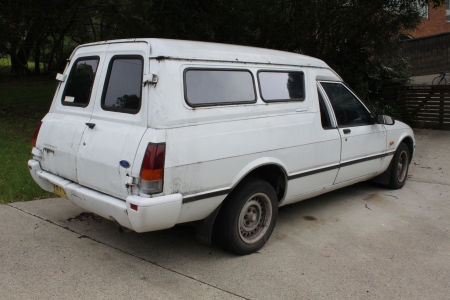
x=90, y=125
x=346, y=131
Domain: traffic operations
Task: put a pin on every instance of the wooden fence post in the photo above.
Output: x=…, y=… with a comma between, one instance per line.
x=441, y=111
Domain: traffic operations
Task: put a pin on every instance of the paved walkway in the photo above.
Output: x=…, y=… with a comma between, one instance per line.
x=361, y=242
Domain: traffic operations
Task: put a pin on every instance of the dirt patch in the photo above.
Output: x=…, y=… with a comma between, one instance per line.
x=86, y=216
x=310, y=218
x=375, y=197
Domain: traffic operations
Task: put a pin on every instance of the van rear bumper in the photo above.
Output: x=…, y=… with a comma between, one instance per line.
x=149, y=214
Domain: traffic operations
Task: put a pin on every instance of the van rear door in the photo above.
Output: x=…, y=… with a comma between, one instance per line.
x=118, y=123
x=63, y=127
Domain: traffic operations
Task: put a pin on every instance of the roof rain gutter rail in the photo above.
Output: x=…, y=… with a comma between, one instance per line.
x=160, y=58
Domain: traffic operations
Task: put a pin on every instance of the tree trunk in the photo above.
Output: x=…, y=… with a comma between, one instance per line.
x=19, y=64
x=19, y=60
x=37, y=60
x=57, y=43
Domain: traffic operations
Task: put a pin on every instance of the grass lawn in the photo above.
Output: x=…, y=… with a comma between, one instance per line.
x=23, y=103
x=5, y=65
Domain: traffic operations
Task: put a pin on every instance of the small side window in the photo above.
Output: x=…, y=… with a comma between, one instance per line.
x=218, y=87
x=123, y=85
x=349, y=111
x=281, y=86
x=79, y=84
x=324, y=114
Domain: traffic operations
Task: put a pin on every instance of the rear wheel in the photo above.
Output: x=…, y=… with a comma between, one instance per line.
x=440, y=80
x=400, y=166
x=247, y=217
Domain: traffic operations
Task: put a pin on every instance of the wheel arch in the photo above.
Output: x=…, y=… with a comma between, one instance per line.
x=410, y=143
x=385, y=177
x=271, y=170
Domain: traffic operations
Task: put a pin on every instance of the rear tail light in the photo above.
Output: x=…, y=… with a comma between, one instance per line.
x=152, y=170
x=35, y=136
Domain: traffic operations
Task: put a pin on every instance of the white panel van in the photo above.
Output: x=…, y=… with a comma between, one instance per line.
x=152, y=133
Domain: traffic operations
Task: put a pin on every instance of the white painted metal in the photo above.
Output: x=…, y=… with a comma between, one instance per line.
x=115, y=137
x=362, y=142
x=152, y=214
x=357, y=143
x=208, y=149
x=155, y=213
x=204, y=51
x=62, y=128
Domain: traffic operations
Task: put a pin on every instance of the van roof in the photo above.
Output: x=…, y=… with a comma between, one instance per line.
x=205, y=51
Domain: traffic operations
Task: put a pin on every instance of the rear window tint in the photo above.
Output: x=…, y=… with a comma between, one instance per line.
x=282, y=86
x=123, y=86
x=218, y=87
x=79, y=84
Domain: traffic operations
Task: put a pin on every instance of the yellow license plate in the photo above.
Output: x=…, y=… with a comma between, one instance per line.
x=60, y=191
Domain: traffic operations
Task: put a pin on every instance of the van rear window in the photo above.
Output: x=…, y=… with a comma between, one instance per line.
x=81, y=79
x=281, y=86
x=218, y=87
x=122, y=91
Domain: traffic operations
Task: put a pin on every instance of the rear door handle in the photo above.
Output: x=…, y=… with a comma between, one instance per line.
x=347, y=131
x=90, y=125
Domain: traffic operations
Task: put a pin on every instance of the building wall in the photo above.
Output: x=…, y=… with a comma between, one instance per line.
x=428, y=55
x=435, y=23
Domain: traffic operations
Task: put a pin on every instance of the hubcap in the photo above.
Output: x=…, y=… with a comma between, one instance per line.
x=402, y=167
x=254, y=219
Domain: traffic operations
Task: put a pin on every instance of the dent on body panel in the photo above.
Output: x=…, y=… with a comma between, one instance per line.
x=186, y=180
x=165, y=98
x=75, y=139
x=157, y=105
x=234, y=138
x=199, y=210
x=209, y=176
x=254, y=163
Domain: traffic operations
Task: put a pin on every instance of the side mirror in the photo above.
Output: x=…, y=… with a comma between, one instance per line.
x=384, y=119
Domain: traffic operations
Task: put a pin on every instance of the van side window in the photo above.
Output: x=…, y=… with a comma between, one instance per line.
x=349, y=111
x=123, y=85
x=79, y=84
x=205, y=87
x=324, y=114
x=281, y=86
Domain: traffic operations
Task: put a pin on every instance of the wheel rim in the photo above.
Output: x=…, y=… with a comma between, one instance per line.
x=255, y=217
x=402, y=167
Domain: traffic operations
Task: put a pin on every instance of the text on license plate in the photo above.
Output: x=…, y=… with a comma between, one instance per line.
x=59, y=191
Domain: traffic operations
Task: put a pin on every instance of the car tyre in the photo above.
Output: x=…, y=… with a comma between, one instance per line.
x=400, y=166
x=247, y=217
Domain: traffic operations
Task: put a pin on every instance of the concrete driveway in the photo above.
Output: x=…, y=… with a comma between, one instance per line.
x=361, y=242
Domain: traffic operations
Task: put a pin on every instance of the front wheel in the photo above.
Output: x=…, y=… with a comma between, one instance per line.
x=400, y=166
x=247, y=217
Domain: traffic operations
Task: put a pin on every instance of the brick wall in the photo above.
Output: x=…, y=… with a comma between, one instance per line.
x=434, y=24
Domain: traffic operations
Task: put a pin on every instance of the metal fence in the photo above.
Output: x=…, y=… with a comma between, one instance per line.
x=428, y=55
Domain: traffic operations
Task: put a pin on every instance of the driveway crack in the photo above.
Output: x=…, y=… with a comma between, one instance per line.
x=428, y=181
x=127, y=253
